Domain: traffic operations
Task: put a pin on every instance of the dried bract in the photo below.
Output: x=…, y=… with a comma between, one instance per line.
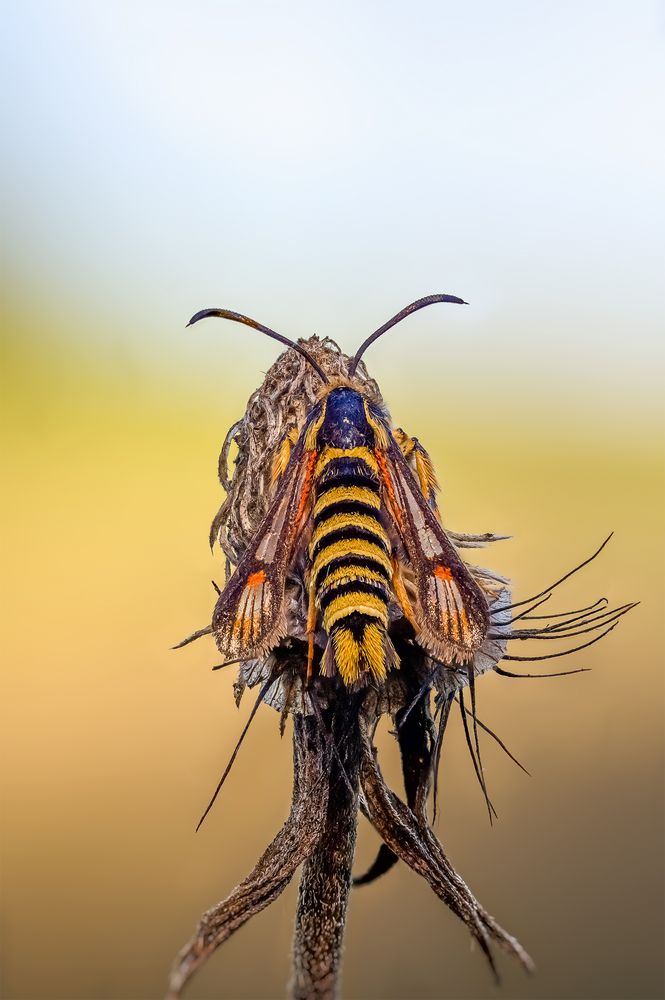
x=334, y=699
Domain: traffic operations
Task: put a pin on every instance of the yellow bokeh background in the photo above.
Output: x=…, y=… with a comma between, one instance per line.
x=540, y=405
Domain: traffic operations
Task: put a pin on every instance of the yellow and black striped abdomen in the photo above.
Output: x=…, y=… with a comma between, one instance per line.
x=350, y=562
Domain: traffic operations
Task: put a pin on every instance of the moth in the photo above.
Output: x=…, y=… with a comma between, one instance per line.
x=353, y=513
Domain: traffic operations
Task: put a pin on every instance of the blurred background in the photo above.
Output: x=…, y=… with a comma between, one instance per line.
x=318, y=166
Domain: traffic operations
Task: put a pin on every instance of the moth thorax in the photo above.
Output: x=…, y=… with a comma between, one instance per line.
x=345, y=423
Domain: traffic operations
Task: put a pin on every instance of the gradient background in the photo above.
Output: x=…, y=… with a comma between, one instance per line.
x=319, y=166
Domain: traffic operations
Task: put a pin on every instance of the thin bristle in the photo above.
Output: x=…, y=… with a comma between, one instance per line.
x=607, y=614
x=191, y=638
x=524, y=613
x=503, y=746
x=518, y=604
x=421, y=691
x=567, y=630
x=228, y=663
x=472, y=690
x=261, y=695
x=564, y=652
x=444, y=714
x=565, y=614
x=481, y=781
x=559, y=673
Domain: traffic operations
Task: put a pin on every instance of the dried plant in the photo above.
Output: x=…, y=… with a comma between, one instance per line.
x=336, y=772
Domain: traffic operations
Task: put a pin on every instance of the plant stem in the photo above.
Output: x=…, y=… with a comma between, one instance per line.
x=326, y=874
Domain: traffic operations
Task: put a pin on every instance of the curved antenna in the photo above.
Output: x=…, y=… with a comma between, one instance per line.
x=239, y=318
x=429, y=300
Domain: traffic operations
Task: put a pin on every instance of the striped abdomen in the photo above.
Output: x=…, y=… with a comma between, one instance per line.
x=350, y=562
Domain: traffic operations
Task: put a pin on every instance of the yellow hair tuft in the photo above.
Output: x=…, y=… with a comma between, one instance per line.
x=355, y=656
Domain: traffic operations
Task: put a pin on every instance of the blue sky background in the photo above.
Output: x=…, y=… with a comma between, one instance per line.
x=318, y=166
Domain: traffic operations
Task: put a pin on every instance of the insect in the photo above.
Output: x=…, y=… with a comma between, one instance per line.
x=349, y=602
x=354, y=515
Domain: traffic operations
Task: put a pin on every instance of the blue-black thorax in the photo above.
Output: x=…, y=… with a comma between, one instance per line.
x=345, y=424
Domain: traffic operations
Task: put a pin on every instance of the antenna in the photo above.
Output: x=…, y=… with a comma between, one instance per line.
x=239, y=318
x=429, y=300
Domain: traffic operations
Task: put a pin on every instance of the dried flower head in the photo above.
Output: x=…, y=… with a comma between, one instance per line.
x=336, y=771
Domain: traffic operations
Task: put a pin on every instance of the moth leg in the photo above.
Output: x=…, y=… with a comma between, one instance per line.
x=422, y=465
x=406, y=443
x=311, y=628
x=399, y=589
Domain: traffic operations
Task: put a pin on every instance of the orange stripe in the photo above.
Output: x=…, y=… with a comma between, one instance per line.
x=306, y=487
x=388, y=483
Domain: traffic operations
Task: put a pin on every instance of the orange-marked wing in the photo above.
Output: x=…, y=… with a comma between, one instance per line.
x=451, y=611
x=421, y=464
x=249, y=617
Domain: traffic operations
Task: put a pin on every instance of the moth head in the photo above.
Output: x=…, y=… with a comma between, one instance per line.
x=330, y=383
x=347, y=416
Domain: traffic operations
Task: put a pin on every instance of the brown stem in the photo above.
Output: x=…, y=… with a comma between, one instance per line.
x=326, y=876
x=415, y=737
x=293, y=844
x=413, y=841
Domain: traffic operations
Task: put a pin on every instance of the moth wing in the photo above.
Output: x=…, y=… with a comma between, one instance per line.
x=249, y=617
x=451, y=611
